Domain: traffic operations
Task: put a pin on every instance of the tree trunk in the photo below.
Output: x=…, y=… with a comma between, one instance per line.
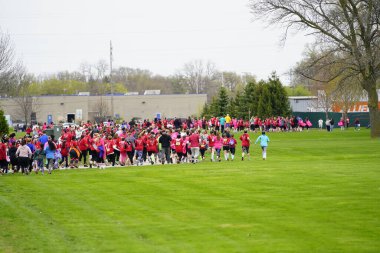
x=374, y=113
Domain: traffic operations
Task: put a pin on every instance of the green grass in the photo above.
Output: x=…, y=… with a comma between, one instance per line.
x=317, y=192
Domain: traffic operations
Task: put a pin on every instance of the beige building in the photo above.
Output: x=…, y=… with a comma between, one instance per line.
x=83, y=108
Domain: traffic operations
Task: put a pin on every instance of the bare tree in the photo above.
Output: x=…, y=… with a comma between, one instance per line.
x=101, y=68
x=346, y=94
x=347, y=29
x=198, y=75
x=86, y=70
x=102, y=109
x=9, y=66
x=26, y=103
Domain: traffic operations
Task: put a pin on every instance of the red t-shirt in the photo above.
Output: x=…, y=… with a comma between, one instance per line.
x=109, y=146
x=211, y=140
x=178, y=145
x=152, y=145
x=3, y=151
x=226, y=142
x=245, y=140
x=139, y=144
x=194, y=140
x=83, y=143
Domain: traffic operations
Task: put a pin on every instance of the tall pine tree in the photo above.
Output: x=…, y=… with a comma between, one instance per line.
x=279, y=99
x=222, y=102
x=264, y=107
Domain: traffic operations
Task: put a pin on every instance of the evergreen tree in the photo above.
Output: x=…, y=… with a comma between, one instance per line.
x=264, y=108
x=240, y=111
x=206, y=111
x=280, y=103
x=214, y=107
x=249, y=102
x=4, y=128
x=231, y=107
x=222, y=102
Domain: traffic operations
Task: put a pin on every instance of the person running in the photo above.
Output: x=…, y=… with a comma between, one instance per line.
x=264, y=144
x=38, y=159
x=203, y=147
x=226, y=147
x=24, y=154
x=211, y=143
x=232, y=146
x=357, y=124
x=245, y=143
x=218, y=144
x=123, y=148
x=165, y=141
x=139, y=147
x=194, y=146
x=110, y=152
x=64, y=149
x=84, y=148
x=3, y=156
x=152, y=148
x=12, y=156
x=50, y=149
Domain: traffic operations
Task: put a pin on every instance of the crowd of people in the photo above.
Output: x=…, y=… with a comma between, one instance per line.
x=131, y=143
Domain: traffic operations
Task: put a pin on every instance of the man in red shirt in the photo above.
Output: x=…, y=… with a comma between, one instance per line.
x=194, y=140
x=139, y=147
x=109, y=145
x=245, y=143
x=179, y=148
x=151, y=146
x=84, y=147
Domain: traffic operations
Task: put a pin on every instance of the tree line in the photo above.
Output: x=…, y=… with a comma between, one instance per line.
x=263, y=99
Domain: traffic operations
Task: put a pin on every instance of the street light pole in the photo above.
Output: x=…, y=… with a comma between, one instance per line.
x=111, y=82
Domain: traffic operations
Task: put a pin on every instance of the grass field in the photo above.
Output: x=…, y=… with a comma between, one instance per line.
x=317, y=192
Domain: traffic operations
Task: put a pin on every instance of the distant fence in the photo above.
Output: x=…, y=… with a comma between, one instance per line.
x=315, y=116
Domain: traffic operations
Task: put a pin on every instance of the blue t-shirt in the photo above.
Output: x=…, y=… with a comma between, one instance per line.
x=222, y=120
x=263, y=140
x=43, y=139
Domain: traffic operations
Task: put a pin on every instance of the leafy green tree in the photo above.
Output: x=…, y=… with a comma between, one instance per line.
x=297, y=90
x=4, y=128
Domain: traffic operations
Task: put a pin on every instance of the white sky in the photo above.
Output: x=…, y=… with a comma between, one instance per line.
x=161, y=36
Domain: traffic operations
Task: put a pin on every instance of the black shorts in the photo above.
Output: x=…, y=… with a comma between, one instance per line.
x=94, y=156
x=23, y=162
x=151, y=153
x=3, y=164
x=226, y=148
x=232, y=150
x=245, y=149
x=180, y=155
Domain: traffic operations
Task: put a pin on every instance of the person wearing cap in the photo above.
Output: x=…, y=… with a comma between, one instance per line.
x=264, y=144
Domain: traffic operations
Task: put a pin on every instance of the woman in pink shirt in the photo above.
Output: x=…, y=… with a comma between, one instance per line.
x=218, y=144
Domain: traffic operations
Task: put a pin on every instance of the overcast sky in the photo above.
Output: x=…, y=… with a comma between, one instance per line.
x=161, y=36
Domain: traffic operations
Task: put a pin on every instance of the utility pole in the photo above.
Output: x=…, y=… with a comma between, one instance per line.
x=111, y=82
